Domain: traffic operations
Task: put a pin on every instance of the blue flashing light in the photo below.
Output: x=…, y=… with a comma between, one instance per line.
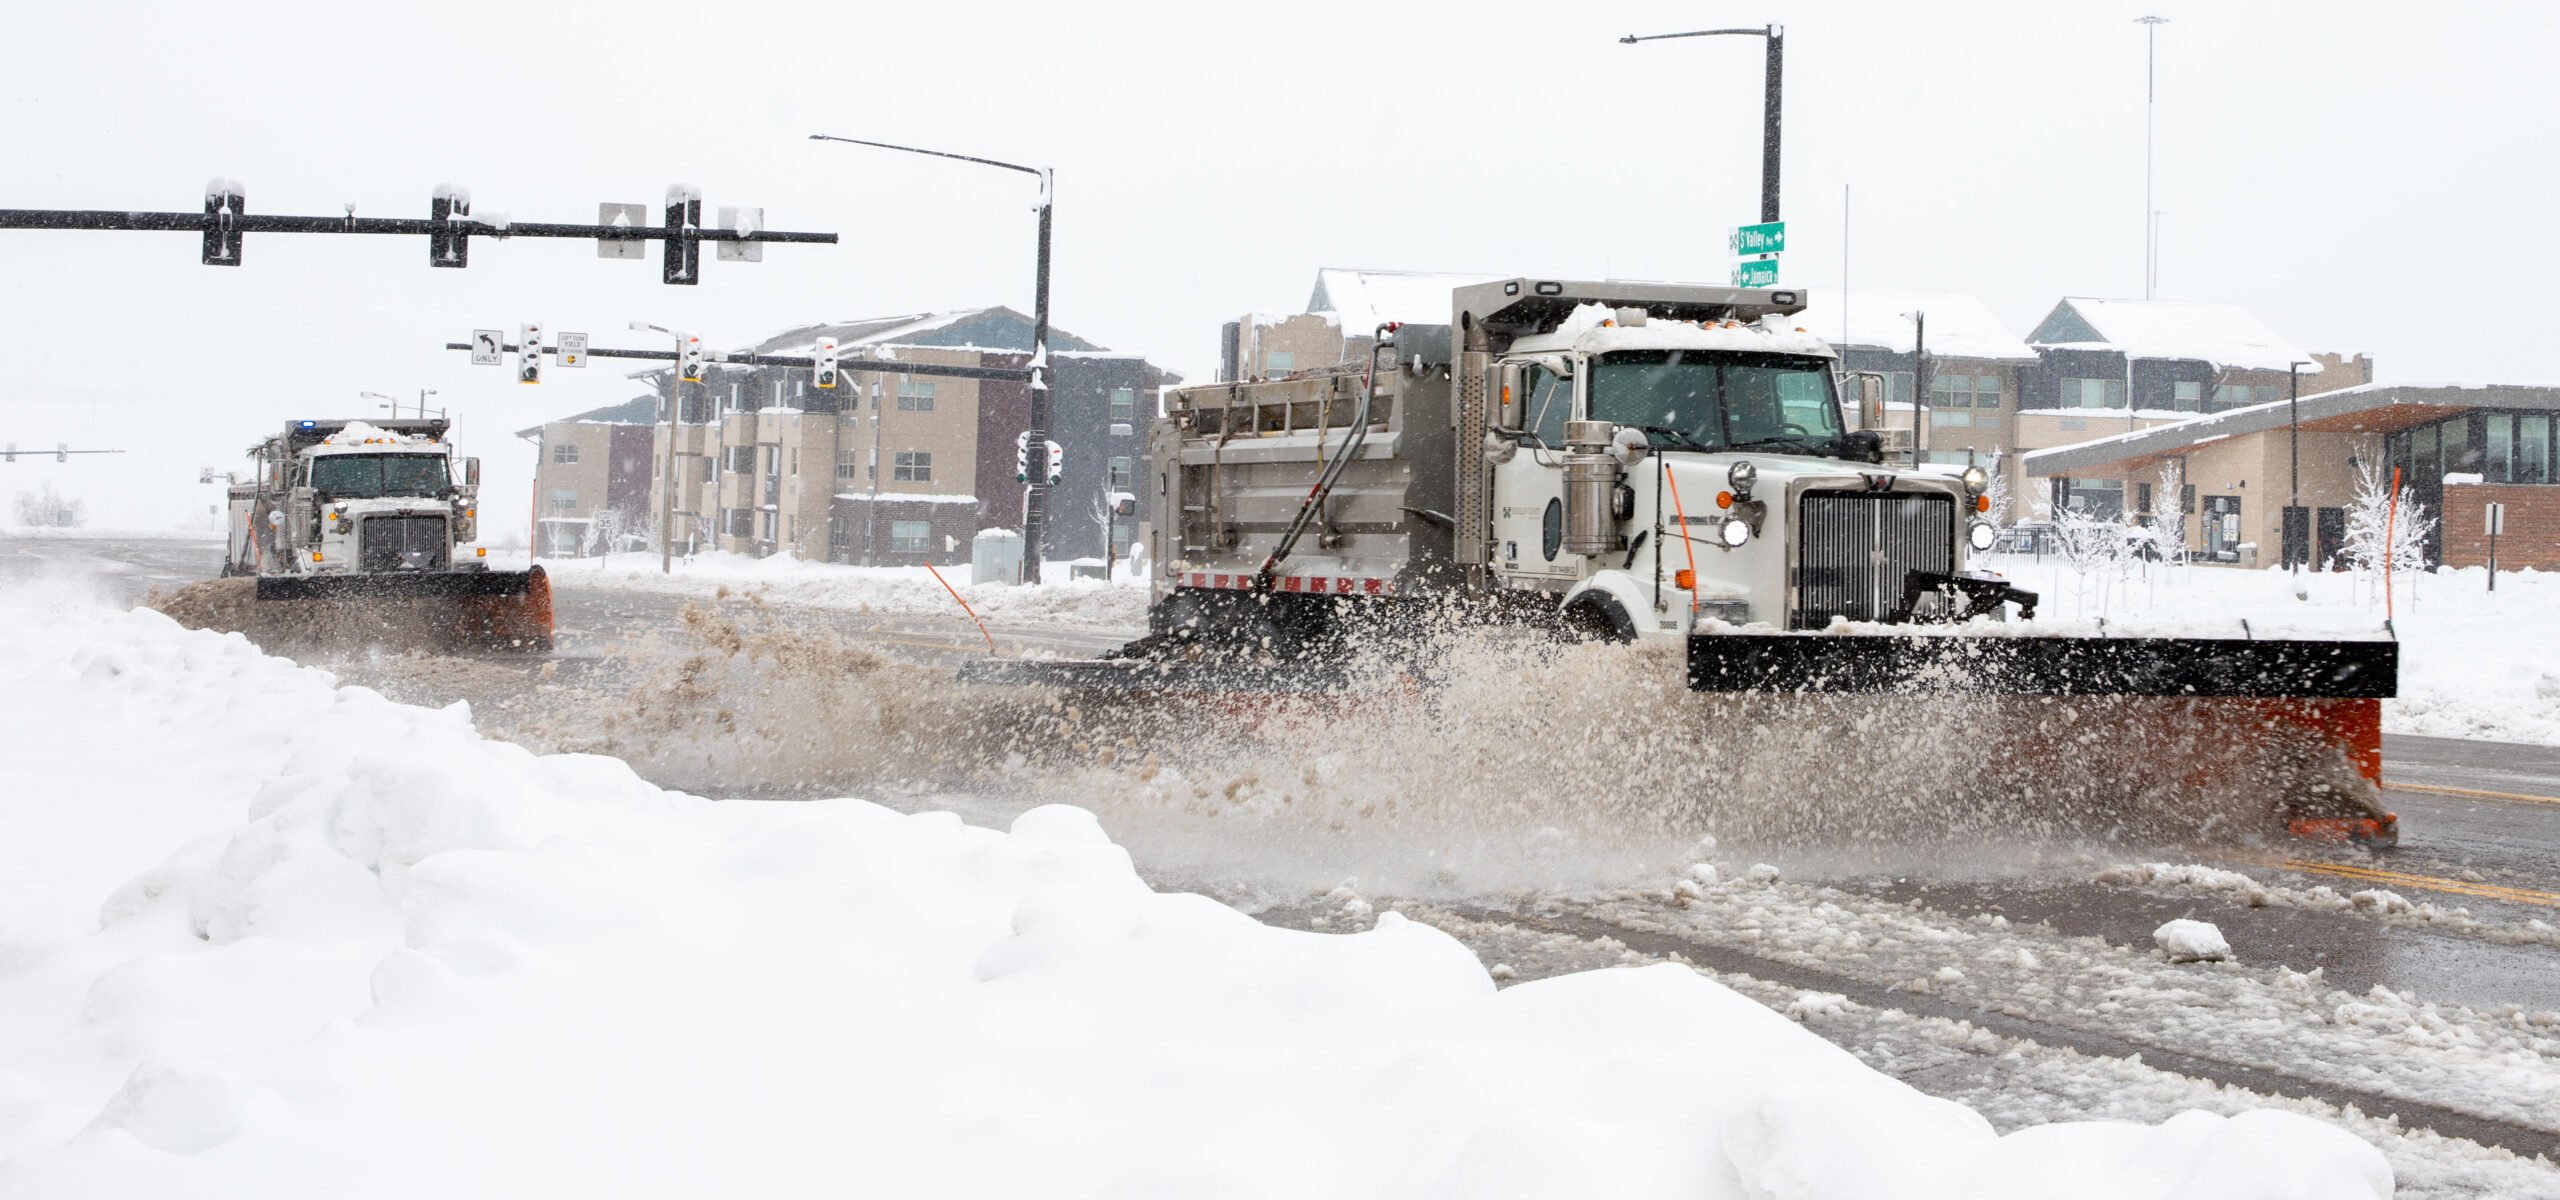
x=311, y=424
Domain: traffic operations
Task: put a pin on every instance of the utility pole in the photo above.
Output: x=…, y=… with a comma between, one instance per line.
x=871, y=512
x=1919, y=383
x=2150, y=103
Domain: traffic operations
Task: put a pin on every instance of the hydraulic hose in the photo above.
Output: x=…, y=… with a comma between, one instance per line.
x=1332, y=472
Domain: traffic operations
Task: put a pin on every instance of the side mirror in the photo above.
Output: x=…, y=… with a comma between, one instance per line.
x=471, y=472
x=1511, y=394
x=1870, y=391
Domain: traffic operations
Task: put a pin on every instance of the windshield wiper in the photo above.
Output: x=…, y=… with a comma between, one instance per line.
x=1684, y=441
x=1806, y=444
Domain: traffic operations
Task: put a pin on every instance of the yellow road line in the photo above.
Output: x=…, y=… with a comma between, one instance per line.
x=2459, y=887
x=2472, y=792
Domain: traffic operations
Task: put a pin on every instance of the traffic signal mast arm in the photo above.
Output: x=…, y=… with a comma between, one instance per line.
x=179, y=222
x=867, y=365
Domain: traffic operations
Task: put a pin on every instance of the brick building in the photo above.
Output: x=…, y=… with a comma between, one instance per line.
x=591, y=478
x=2456, y=447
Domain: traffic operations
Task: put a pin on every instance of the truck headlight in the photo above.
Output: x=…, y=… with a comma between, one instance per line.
x=1976, y=480
x=1981, y=536
x=1740, y=476
x=1735, y=532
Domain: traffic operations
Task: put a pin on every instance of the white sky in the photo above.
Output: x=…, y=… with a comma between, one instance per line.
x=2362, y=176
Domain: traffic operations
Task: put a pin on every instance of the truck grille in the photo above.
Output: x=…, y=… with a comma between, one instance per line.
x=1854, y=549
x=403, y=544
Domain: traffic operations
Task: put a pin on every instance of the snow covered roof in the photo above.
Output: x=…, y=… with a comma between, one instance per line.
x=2225, y=335
x=994, y=328
x=2364, y=408
x=1960, y=326
x=1364, y=299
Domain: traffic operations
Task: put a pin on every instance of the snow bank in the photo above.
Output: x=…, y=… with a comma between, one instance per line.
x=891, y=591
x=358, y=949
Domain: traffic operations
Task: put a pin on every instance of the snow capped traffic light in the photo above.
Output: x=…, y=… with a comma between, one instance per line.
x=1057, y=463
x=1022, y=457
x=690, y=358
x=826, y=371
x=529, y=349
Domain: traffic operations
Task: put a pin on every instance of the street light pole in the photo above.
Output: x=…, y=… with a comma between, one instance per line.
x=1035, y=501
x=2292, y=505
x=1771, y=97
x=675, y=411
x=1919, y=382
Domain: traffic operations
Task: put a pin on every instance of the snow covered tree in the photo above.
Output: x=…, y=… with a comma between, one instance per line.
x=2377, y=533
x=45, y=506
x=2169, y=511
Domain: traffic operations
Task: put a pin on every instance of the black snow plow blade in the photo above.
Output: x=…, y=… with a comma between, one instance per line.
x=395, y=586
x=2043, y=666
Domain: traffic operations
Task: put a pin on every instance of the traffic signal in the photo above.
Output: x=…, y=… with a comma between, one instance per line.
x=825, y=372
x=529, y=351
x=62, y=452
x=1057, y=463
x=689, y=357
x=1022, y=457
x=447, y=244
x=683, y=263
x=224, y=202
x=11, y=454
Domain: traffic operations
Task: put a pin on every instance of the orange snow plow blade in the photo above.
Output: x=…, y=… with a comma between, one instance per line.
x=505, y=611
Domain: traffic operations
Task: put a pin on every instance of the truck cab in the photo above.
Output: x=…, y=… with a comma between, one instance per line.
x=334, y=498
x=1656, y=473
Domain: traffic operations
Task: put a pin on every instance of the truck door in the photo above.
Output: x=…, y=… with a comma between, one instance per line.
x=1528, y=491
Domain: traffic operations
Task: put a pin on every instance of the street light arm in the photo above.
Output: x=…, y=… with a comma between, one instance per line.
x=823, y=137
x=1632, y=39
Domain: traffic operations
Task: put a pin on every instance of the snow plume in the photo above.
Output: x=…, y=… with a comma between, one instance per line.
x=1460, y=760
x=349, y=929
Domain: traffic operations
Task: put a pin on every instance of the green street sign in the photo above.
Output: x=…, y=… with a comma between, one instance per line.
x=1768, y=238
x=1756, y=272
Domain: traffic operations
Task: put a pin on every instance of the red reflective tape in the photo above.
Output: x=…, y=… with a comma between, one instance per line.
x=1373, y=587
x=1289, y=583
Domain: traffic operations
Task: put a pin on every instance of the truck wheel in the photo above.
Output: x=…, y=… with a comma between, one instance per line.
x=1595, y=617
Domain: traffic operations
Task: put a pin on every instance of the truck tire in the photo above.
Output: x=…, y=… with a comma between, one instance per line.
x=1595, y=617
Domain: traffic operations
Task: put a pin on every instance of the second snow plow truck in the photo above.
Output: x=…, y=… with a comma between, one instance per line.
x=1659, y=462
x=362, y=530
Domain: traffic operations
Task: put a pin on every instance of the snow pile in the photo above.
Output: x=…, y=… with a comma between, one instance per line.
x=2185, y=940
x=1119, y=604
x=359, y=949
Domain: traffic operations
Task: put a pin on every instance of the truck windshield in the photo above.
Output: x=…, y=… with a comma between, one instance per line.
x=366, y=476
x=1720, y=400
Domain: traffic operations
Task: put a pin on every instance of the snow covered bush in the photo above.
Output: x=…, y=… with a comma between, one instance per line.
x=46, y=507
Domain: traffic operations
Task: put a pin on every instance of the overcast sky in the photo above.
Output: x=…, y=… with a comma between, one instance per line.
x=2363, y=176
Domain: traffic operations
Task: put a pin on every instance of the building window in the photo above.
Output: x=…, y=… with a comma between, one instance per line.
x=2533, y=448
x=1124, y=405
x=910, y=537
x=564, y=454
x=2102, y=499
x=737, y=522
x=768, y=525
x=912, y=466
x=1120, y=474
x=564, y=500
x=915, y=395
x=848, y=465
x=741, y=460
x=2142, y=498
x=710, y=469
x=1951, y=419
x=2242, y=395
x=2189, y=395
x=2093, y=393
x=1278, y=362
x=773, y=460
x=1964, y=391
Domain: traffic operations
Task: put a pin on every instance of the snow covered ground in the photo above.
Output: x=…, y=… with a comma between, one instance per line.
x=2472, y=662
x=264, y=935
x=891, y=591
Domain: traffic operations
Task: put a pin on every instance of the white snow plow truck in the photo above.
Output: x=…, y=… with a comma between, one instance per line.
x=1663, y=462
x=368, y=527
